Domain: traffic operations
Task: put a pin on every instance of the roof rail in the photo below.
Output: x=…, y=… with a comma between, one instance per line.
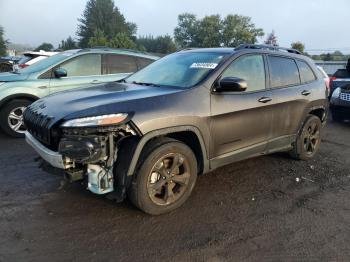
x=268, y=47
x=106, y=48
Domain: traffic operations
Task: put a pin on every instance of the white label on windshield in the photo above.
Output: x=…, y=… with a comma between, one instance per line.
x=204, y=65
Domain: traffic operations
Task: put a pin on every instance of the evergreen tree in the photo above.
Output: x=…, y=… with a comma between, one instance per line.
x=3, y=42
x=67, y=44
x=271, y=39
x=103, y=16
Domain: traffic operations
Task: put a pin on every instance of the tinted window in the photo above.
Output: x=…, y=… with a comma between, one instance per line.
x=143, y=62
x=342, y=73
x=84, y=65
x=116, y=64
x=283, y=72
x=250, y=68
x=306, y=73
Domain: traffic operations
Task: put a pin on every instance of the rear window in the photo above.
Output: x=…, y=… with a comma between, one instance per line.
x=306, y=73
x=116, y=64
x=143, y=62
x=342, y=73
x=283, y=72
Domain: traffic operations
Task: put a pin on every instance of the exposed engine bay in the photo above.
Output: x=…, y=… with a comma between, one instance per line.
x=91, y=153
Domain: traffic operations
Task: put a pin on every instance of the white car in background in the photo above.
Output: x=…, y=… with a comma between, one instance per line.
x=29, y=58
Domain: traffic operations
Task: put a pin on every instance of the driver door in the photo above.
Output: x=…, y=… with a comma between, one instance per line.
x=241, y=121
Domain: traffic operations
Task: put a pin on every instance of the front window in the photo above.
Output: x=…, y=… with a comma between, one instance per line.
x=180, y=69
x=84, y=65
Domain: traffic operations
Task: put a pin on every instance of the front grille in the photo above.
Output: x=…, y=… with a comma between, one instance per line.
x=38, y=125
x=345, y=96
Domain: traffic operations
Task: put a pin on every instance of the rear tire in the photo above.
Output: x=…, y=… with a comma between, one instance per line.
x=308, y=140
x=165, y=178
x=11, y=117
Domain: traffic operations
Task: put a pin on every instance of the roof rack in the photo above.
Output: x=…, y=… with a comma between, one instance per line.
x=268, y=47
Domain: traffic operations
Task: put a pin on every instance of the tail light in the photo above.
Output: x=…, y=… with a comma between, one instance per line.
x=331, y=79
x=22, y=65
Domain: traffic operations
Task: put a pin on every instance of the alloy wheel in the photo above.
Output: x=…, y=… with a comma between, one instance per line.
x=168, y=179
x=15, y=119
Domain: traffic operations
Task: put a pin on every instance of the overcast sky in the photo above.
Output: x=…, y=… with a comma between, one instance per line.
x=319, y=24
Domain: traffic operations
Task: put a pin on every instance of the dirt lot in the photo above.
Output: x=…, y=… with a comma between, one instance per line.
x=254, y=210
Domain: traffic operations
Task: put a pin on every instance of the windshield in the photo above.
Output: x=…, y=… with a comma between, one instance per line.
x=179, y=69
x=45, y=63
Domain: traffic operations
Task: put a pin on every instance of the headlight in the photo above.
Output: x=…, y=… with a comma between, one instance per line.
x=336, y=93
x=104, y=120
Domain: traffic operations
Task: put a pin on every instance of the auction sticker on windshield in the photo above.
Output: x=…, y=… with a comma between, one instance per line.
x=204, y=65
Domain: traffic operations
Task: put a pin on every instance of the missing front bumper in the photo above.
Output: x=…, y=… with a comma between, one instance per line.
x=53, y=158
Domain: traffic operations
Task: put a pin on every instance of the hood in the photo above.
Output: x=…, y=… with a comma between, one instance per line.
x=11, y=77
x=98, y=100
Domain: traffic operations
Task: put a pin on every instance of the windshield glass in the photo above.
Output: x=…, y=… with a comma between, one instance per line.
x=47, y=62
x=179, y=69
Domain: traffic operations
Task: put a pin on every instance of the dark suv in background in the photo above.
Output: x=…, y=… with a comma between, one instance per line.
x=149, y=136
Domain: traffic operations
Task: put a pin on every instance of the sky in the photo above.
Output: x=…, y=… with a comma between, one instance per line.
x=319, y=24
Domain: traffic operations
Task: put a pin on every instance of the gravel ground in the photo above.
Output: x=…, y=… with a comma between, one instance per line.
x=254, y=210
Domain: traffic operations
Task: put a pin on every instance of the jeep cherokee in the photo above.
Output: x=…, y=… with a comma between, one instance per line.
x=149, y=136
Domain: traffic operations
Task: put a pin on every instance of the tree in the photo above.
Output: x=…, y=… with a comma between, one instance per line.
x=103, y=16
x=159, y=44
x=238, y=29
x=213, y=31
x=44, y=46
x=3, y=42
x=68, y=44
x=98, y=39
x=209, y=31
x=122, y=40
x=185, y=32
x=298, y=46
x=271, y=39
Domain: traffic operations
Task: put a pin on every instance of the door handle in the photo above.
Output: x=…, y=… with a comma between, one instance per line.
x=95, y=82
x=306, y=92
x=265, y=99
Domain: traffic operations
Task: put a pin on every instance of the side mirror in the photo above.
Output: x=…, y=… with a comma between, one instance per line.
x=60, y=72
x=231, y=84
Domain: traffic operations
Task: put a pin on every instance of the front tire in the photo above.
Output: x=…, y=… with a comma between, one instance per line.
x=11, y=117
x=166, y=176
x=308, y=139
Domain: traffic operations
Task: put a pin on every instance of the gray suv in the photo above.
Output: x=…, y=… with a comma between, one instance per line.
x=148, y=137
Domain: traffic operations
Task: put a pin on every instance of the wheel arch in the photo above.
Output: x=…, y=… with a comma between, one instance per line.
x=189, y=135
x=18, y=97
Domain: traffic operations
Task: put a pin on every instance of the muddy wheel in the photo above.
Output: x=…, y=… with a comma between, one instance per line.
x=166, y=177
x=308, y=140
x=11, y=117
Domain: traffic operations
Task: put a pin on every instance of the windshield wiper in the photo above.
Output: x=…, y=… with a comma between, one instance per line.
x=121, y=81
x=145, y=84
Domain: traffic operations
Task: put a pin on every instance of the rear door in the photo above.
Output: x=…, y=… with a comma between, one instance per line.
x=291, y=92
x=241, y=121
x=82, y=71
x=116, y=66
